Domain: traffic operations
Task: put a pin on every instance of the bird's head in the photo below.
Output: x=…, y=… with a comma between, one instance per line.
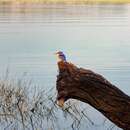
x=61, y=56
x=59, y=53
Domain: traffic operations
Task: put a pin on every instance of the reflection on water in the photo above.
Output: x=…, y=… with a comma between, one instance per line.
x=92, y=36
x=64, y=12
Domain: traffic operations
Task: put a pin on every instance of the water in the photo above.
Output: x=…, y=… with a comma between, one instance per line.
x=92, y=36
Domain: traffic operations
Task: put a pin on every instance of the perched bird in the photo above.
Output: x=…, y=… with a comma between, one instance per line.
x=61, y=56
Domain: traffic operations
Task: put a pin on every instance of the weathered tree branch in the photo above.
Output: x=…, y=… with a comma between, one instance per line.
x=92, y=88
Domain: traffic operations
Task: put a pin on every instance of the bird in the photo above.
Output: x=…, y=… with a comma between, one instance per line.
x=61, y=56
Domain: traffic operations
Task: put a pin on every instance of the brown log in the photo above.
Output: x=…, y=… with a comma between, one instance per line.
x=92, y=88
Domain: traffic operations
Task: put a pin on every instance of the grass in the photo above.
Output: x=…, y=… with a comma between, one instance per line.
x=22, y=108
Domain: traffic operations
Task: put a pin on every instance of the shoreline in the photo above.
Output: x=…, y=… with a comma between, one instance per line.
x=63, y=2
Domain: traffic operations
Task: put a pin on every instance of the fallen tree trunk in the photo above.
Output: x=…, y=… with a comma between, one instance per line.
x=94, y=89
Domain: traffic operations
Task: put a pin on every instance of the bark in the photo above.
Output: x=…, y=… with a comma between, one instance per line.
x=92, y=88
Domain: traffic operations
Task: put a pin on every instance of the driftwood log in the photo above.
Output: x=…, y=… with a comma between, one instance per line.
x=94, y=89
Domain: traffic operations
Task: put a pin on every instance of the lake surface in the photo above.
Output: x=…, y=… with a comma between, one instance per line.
x=92, y=36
